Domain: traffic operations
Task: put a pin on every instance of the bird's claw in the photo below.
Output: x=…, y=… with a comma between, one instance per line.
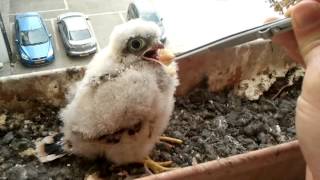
x=157, y=167
x=171, y=140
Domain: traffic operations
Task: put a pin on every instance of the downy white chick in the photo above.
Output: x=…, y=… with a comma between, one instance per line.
x=124, y=102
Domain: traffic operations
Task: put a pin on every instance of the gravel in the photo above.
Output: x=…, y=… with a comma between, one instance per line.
x=211, y=125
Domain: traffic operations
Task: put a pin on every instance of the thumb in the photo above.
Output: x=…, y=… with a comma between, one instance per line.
x=306, y=23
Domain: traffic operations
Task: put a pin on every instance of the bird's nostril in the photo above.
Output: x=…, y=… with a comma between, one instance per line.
x=159, y=46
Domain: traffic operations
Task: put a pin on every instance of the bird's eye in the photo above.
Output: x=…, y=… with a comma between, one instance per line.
x=136, y=44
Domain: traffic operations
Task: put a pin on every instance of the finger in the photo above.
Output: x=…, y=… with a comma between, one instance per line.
x=308, y=174
x=307, y=125
x=288, y=41
x=307, y=114
x=270, y=19
x=306, y=24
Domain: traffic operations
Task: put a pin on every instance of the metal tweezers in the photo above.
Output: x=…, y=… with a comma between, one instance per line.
x=266, y=31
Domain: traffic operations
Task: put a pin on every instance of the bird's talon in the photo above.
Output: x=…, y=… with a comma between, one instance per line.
x=157, y=167
x=165, y=163
x=170, y=140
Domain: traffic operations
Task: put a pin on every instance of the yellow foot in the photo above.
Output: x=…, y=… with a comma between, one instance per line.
x=157, y=167
x=170, y=140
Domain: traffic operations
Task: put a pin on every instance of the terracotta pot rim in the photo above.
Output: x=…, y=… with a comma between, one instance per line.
x=241, y=162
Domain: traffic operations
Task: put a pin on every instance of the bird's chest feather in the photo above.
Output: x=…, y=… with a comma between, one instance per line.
x=125, y=97
x=139, y=79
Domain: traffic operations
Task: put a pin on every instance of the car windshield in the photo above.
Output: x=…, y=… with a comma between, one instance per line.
x=150, y=17
x=79, y=35
x=33, y=37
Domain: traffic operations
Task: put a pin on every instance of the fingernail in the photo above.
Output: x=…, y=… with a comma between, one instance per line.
x=306, y=14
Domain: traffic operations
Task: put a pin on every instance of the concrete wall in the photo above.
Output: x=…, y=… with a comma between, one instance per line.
x=4, y=58
x=5, y=9
x=3, y=50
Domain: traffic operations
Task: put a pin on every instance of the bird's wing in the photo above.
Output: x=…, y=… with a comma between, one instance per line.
x=50, y=148
x=114, y=102
x=112, y=138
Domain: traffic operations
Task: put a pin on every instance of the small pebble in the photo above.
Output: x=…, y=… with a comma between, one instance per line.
x=3, y=119
x=7, y=138
x=17, y=172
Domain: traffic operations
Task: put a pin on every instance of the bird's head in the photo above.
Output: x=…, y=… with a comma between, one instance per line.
x=136, y=40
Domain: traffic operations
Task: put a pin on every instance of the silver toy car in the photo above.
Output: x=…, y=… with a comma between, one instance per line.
x=77, y=36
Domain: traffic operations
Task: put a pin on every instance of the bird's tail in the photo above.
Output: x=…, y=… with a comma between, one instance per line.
x=50, y=148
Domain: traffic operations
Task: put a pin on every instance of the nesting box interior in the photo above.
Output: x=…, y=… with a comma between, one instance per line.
x=229, y=102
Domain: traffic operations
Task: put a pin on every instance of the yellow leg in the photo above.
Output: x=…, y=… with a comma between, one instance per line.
x=157, y=167
x=170, y=140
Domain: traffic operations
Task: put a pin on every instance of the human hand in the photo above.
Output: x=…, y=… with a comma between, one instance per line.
x=303, y=45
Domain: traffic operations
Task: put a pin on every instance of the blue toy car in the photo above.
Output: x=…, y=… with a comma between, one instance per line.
x=33, y=41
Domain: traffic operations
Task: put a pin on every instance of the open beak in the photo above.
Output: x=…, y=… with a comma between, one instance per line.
x=158, y=54
x=152, y=54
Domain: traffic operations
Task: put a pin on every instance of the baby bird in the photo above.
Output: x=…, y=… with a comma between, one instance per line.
x=124, y=102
